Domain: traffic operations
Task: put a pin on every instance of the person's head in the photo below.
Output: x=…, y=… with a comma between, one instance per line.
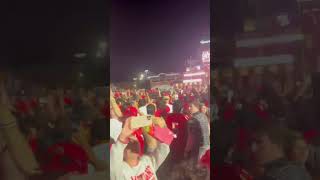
x=166, y=99
x=119, y=101
x=151, y=109
x=162, y=105
x=194, y=106
x=177, y=106
x=132, y=150
x=133, y=103
x=142, y=102
x=203, y=108
x=269, y=143
x=296, y=147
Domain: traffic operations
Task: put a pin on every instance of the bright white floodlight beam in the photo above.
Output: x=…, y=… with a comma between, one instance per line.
x=205, y=41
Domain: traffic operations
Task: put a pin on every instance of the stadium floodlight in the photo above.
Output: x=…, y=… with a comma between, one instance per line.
x=205, y=41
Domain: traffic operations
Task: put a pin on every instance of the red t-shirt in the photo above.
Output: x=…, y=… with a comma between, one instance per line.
x=310, y=135
x=67, y=101
x=229, y=172
x=161, y=112
x=69, y=158
x=22, y=106
x=177, y=123
x=205, y=159
x=229, y=112
x=243, y=138
x=131, y=111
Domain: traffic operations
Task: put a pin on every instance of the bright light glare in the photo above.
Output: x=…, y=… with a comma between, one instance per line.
x=141, y=76
x=205, y=56
x=205, y=41
x=192, y=80
x=194, y=74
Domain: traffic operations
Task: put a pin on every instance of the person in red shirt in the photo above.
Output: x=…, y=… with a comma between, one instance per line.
x=162, y=110
x=177, y=122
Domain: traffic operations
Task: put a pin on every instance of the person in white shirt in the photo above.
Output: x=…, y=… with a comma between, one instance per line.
x=167, y=99
x=126, y=162
x=143, y=107
x=115, y=123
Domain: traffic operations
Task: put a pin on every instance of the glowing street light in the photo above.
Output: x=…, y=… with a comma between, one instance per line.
x=141, y=76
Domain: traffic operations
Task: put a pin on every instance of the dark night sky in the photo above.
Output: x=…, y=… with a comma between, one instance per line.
x=156, y=35
x=46, y=34
x=51, y=31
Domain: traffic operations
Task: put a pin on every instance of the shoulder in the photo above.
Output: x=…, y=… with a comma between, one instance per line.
x=290, y=171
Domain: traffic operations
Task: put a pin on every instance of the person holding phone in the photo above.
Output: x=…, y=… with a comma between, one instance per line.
x=127, y=161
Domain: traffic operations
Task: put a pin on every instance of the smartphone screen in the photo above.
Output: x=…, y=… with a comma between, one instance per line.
x=141, y=121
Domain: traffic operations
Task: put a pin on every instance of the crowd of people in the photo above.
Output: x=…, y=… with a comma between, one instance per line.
x=265, y=130
x=53, y=133
x=137, y=153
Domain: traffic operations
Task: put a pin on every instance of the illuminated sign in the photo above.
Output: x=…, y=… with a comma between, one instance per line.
x=192, y=80
x=206, y=56
x=194, y=74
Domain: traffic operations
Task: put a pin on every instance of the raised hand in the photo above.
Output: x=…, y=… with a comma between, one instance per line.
x=126, y=130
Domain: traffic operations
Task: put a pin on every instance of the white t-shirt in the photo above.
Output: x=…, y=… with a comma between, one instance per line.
x=143, y=109
x=171, y=108
x=146, y=168
x=115, y=129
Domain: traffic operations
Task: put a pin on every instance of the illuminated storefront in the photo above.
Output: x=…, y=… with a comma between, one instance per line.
x=199, y=73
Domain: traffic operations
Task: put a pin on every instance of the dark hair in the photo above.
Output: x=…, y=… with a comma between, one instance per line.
x=196, y=103
x=162, y=105
x=119, y=100
x=142, y=102
x=151, y=109
x=177, y=106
